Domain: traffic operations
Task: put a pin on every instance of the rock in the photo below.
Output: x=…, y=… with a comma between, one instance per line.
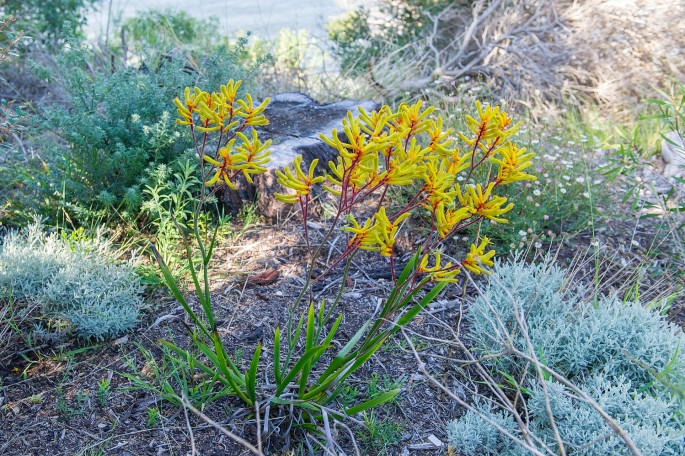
x=673, y=153
x=295, y=123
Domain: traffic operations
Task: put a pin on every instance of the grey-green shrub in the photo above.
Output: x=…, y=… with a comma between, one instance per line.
x=75, y=280
x=472, y=435
x=648, y=419
x=576, y=337
x=612, y=350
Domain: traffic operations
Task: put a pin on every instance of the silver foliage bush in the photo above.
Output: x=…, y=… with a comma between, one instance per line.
x=472, y=435
x=612, y=350
x=75, y=280
x=648, y=418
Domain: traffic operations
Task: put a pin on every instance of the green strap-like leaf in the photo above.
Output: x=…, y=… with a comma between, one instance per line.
x=277, y=355
x=173, y=287
x=297, y=368
x=376, y=401
x=251, y=375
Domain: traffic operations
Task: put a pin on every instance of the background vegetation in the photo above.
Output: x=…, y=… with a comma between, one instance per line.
x=572, y=346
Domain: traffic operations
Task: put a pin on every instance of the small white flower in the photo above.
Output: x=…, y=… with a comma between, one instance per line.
x=545, y=217
x=566, y=177
x=536, y=192
x=135, y=118
x=522, y=233
x=538, y=245
x=586, y=194
x=562, y=190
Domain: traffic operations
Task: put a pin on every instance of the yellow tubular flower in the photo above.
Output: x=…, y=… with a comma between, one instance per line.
x=300, y=182
x=251, y=155
x=364, y=236
x=438, y=185
x=439, y=139
x=386, y=231
x=438, y=273
x=447, y=218
x=454, y=163
x=230, y=90
x=253, y=116
x=480, y=202
x=186, y=109
x=223, y=166
x=411, y=117
x=373, y=124
x=512, y=163
x=491, y=130
x=476, y=260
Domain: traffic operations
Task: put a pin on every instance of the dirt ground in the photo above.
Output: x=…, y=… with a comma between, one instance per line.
x=53, y=404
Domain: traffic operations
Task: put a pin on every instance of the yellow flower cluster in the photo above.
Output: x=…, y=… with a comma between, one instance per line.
x=224, y=112
x=409, y=147
x=377, y=234
x=300, y=182
x=398, y=148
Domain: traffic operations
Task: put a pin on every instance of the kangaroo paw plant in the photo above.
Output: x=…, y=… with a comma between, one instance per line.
x=307, y=367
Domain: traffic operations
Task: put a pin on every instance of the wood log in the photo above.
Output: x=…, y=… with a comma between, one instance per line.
x=295, y=123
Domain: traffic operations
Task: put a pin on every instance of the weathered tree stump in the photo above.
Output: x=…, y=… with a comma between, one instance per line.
x=295, y=123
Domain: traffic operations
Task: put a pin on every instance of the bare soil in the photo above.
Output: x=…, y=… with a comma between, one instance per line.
x=50, y=393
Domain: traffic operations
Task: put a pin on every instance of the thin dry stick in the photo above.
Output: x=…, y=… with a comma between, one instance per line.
x=327, y=430
x=193, y=450
x=259, y=428
x=490, y=382
x=524, y=331
x=222, y=429
x=351, y=434
x=610, y=421
x=433, y=380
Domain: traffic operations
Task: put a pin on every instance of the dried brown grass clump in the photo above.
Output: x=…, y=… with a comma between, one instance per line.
x=607, y=51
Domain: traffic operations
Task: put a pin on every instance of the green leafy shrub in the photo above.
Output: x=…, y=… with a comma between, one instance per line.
x=152, y=33
x=77, y=280
x=622, y=355
x=115, y=126
x=560, y=201
x=49, y=22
